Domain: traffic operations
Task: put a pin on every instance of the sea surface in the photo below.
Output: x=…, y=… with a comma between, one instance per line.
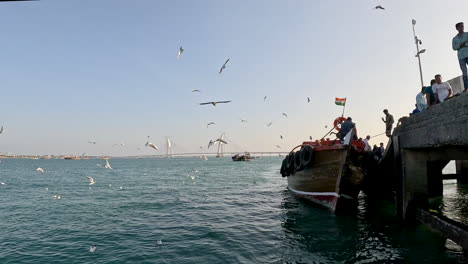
x=214, y=211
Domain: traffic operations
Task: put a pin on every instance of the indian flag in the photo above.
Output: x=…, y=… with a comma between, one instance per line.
x=340, y=101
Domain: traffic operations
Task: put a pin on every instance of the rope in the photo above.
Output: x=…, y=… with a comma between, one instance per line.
x=378, y=135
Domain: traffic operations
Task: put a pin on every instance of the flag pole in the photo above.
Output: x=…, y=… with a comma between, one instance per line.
x=344, y=106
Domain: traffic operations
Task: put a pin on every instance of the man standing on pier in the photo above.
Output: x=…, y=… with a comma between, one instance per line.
x=388, y=123
x=459, y=43
x=442, y=90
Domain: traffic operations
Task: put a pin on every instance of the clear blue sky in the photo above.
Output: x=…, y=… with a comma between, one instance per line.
x=73, y=71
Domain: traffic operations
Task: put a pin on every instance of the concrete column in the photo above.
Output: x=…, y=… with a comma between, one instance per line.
x=414, y=183
x=462, y=171
x=434, y=177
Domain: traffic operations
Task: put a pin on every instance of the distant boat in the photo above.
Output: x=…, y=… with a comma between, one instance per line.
x=71, y=158
x=242, y=157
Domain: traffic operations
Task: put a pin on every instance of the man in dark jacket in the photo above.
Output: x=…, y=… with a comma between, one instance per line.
x=346, y=127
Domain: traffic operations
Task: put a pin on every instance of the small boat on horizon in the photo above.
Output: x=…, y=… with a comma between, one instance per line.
x=242, y=157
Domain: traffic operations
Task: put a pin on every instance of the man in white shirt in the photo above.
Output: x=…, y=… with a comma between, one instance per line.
x=442, y=90
x=421, y=100
x=366, y=141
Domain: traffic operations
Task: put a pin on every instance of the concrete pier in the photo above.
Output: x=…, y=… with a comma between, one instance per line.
x=419, y=149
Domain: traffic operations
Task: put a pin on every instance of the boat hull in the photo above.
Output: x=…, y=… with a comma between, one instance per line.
x=331, y=180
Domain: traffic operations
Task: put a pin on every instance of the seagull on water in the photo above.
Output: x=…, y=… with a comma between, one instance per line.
x=92, y=249
x=151, y=145
x=210, y=123
x=284, y=114
x=215, y=102
x=196, y=90
x=40, y=170
x=159, y=243
x=107, y=166
x=223, y=67
x=379, y=7
x=91, y=180
x=181, y=50
x=2, y=183
x=56, y=196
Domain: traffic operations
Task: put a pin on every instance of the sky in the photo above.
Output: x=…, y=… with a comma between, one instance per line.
x=73, y=71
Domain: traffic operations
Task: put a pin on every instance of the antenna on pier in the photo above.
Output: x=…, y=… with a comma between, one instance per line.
x=169, y=148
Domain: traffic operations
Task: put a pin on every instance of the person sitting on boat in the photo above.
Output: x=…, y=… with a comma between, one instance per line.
x=346, y=126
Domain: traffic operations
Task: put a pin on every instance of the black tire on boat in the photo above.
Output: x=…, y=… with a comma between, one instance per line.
x=297, y=160
x=290, y=163
x=307, y=155
x=283, y=168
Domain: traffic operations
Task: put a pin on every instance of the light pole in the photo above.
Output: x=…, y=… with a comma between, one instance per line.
x=418, y=42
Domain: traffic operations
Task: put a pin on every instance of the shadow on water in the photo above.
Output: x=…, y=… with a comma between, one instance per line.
x=370, y=235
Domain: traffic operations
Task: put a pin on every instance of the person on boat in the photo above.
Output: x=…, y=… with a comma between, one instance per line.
x=380, y=151
x=366, y=141
x=346, y=126
x=388, y=123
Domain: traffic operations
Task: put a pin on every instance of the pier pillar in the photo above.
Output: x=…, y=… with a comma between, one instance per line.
x=462, y=171
x=414, y=183
x=434, y=177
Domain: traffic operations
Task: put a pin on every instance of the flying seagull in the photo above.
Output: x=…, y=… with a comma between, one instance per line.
x=278, y=146
x=269, y=124
x=281, y=136
x=214, y=103
x=196, y=90
x=107, y=166
x=310, y=137
x=285, y=114
x=379, y=7
x=92, y=142
x=91, y=180
x=220, y=141
x=210, y=143
x=210, y=123
x=223, y=67
x=264, y=98
x=181, y=50
x=40, y=170
x=2, y=130
x=151, y=145
x=243, y=120
x=308, y=99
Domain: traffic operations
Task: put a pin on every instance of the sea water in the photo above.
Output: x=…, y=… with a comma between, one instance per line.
x=189, y=210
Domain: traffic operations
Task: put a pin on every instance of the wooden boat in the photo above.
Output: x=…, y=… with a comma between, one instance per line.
x=242, y=157
x=327, y=172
